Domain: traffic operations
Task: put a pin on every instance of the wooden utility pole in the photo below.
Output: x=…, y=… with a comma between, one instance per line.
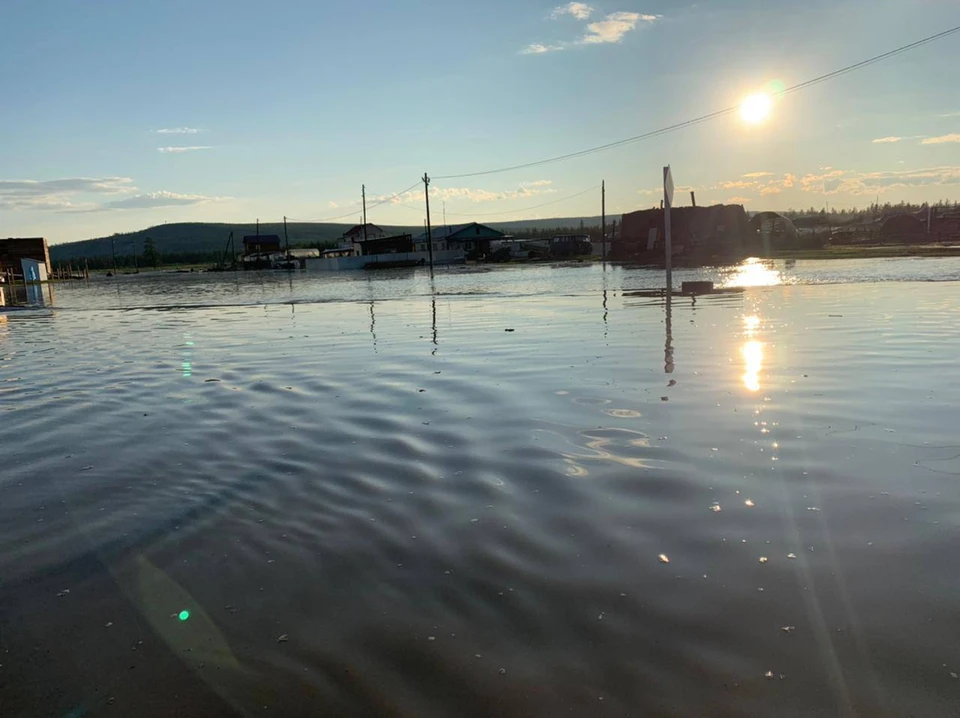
x=603, y=216
x=363, y=194
x=286, y=239
x=426, y=195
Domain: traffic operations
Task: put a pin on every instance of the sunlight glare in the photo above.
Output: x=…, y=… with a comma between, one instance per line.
x=753, y=358
x=756, y=108
x=753, y=272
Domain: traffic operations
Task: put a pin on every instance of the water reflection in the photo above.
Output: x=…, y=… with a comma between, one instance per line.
x=668, y=365
x=753, y=360
x=753, y=272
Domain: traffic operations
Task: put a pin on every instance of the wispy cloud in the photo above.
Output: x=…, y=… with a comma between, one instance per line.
x=610, y=30
x=152, y=200
x=886, y=140
x=614, y=27
x=738, y=200
x=181, y=150
x=870, y=183
x=537, y=183
x=943, y=139
x=178, y=131
x=58, y=194
x=77, y=195
x=579, y=10
x=759, y=174
x=538, y=48
x=471, y=194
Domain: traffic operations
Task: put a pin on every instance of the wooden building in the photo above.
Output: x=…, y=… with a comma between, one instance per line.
x=698, y=235
x=472, y=238
x=15, y=249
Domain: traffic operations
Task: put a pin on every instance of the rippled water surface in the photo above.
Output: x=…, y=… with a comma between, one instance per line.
x=519, y=492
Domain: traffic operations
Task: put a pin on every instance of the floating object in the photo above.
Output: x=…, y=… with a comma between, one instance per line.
x=663, y=558
x=696, y=287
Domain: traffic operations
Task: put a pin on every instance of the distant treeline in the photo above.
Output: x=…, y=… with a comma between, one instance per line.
x=872, y=212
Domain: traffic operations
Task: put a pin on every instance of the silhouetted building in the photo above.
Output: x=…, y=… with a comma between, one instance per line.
x=364, y=232
x=397, y=244
x=261, y=244
x=15, y=249
x=698, y=234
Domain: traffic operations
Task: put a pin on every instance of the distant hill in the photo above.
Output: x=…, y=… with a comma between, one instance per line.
x=208, y=239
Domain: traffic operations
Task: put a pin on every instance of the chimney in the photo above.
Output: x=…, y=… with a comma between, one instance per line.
x=693, y=198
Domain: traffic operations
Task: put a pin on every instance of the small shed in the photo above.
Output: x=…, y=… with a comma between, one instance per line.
x=15, y=249
x=261, y=243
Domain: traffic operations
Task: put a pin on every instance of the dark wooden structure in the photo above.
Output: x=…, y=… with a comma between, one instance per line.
x=13, y=249
x=700, y=235
x=397, y=244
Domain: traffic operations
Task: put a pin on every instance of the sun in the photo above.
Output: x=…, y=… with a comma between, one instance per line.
x=756, y=108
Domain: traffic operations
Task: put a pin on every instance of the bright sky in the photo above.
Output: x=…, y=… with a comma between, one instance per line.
x=118, y=115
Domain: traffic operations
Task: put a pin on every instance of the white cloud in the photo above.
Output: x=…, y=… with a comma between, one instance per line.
x=60, y=195
x=613, y=27
x=178, y=131
x=770, y=189
x=872, y=183
x=537, y=183
x=57, y=194
x=152, y=200
x=471, y=194
x=736, y=184
x=579, y=10
x=759, y=174
x=886, y=140
x=181, y=150
x=943, y=139
x=538, y=48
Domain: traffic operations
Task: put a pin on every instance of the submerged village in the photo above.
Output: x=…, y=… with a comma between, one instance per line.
x=701, y=236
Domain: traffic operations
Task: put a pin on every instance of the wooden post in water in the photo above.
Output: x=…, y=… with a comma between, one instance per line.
x=603, y=217
x=426, y=195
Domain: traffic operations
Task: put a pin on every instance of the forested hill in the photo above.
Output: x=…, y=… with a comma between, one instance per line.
x=201, y=240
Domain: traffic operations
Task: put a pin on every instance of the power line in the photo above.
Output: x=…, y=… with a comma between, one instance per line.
x=711, y=115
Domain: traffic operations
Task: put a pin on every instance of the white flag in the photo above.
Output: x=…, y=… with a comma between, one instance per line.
x=668, y=186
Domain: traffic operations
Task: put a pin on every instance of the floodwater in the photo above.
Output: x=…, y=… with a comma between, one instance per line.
x=517, y=492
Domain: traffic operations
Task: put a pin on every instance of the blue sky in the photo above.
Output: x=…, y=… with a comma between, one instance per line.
x=118, y=115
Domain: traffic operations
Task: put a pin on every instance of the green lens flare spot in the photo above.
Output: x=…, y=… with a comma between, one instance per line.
x=776, y=87
x=183, y=615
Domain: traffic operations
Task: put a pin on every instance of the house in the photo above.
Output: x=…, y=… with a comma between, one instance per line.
x=363, y=232
x=16, y=249
x=473, y=239
x=697, y=233
x=261, y=244
x=397, y=244
x=570, y=245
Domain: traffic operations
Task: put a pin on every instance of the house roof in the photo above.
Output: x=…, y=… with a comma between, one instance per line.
x=261, y=239
x=358, y=229
x=392, y=237
x=458, y=232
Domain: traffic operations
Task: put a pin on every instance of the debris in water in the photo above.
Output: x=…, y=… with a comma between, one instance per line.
x=63, y=593
x=283, y=639
x=788, y=629
x=768, y=674
x=86, y=468
x=749, y=503
x=663, y=558
x=431, y=638
x=207, y=381
x=763, y=559
x=672, y=382
x=664, y=398
x=502, y=671
x=791, y=555
x=716, y=508
x=812, y=508
x=508, y=330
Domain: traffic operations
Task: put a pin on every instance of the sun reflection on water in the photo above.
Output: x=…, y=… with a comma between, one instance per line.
x=753, y=272
x=753, y=359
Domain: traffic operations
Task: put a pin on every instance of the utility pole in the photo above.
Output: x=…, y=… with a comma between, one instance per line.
x=426, y=195
x=603, y=216
x=363, y=194
x=113, y=251
x=286, y=239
